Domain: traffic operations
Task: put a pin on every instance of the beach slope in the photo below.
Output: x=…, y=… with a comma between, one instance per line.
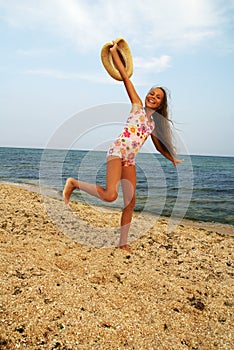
x=175, y=291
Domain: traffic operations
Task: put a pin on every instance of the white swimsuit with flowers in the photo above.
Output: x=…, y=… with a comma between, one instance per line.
x=136, y=131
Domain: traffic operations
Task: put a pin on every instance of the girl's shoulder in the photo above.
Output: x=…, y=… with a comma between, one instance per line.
x=137, y=108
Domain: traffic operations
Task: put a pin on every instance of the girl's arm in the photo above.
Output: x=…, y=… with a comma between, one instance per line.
x=134, y=98
x=164, y=152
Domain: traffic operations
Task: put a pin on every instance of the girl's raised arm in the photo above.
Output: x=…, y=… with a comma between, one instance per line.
x=134, y=98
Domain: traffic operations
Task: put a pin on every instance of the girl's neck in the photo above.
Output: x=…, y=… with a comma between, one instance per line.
x=149, y=112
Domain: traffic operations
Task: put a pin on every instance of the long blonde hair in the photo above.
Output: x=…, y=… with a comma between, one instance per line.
x=163, y=125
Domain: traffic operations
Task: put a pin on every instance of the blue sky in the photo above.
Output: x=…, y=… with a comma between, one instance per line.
x=51, y=69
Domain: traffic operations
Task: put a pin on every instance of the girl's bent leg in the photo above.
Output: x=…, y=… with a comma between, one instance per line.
x=108, y=194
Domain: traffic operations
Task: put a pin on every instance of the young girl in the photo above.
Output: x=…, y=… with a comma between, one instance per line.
x=142, y=122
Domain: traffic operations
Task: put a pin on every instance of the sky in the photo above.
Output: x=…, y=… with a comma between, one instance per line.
x=52, y=75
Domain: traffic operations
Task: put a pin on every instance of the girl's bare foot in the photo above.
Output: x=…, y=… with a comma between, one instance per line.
x=68, y=189
x=126, y=247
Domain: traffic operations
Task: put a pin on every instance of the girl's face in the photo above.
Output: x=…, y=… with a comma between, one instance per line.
x=154, y=98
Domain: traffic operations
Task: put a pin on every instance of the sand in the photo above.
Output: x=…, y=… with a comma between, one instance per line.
x=175, y=291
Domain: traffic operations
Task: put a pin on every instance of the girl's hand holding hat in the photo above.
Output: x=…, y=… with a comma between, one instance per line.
x=124, y=52
x=114, y=47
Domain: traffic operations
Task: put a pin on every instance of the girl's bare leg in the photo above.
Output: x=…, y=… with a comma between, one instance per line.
x=129, y=194
x=108, y=194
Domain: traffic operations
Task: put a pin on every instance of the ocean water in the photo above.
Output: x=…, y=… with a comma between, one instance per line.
x=201, y=188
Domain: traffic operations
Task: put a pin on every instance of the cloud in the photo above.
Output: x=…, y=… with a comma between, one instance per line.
x=35, y=52
x=152, y=63
x=144, y=65
x=57, y=74
x=62, y=75
x=148, y=24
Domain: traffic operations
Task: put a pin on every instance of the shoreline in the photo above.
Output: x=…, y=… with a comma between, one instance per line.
x=218, y=227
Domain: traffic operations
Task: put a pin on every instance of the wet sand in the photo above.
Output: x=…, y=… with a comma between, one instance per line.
x=60, y=290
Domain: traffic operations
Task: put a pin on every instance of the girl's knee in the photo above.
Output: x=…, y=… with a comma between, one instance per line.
x=111, y=196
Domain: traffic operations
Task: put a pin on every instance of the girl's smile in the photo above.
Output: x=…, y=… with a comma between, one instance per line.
x=154, y=98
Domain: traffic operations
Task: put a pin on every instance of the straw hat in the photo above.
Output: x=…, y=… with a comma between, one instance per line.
x=125, y=56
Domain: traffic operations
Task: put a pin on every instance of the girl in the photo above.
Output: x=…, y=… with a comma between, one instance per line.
x=142, y=122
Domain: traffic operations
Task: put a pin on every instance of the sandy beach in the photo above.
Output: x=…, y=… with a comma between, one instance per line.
x=175, y=291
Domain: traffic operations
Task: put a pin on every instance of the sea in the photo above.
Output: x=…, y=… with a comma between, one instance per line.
x=200, y=189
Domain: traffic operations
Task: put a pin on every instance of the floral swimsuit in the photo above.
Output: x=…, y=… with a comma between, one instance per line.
x=135, y=133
